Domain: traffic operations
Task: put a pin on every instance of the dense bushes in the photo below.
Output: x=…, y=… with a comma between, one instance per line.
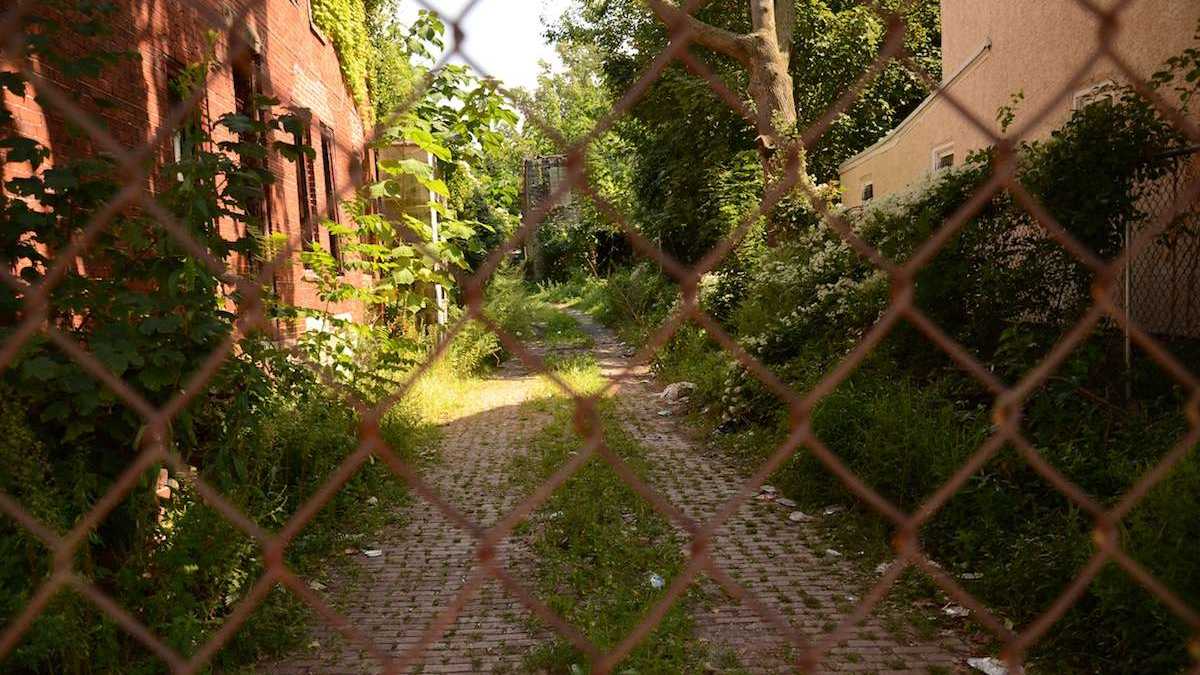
x=908, y=417
x=263, y=431
x=176, y=564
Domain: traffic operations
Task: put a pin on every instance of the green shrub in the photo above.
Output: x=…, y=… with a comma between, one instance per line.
x=189, y=566
x=475, y=350
x=635, y=300
x=263, y=431
x=907, y=418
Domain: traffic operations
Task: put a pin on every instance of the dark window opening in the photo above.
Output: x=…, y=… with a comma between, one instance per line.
x=868, y=192
x=247, y=90
x=331, y=206
x=306, y=190
x=945, y=161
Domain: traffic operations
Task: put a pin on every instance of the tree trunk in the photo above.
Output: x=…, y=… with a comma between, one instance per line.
x=766, y=55
x=771, y=89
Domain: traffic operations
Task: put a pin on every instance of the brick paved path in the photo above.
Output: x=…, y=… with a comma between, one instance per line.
x=778, y=560
x=427, y=561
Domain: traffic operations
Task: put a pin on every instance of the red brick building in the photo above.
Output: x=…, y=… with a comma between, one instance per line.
x=286, y=57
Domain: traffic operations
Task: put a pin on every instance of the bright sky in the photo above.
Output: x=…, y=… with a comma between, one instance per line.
x=504, y=37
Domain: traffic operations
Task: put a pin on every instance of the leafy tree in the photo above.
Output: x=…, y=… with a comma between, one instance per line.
x=462, y=122
x=791, y=60
x=571, y=102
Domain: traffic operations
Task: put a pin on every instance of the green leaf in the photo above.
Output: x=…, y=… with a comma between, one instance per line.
x=41, y=368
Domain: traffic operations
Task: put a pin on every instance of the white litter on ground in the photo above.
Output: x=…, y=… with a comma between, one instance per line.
x=993, y=666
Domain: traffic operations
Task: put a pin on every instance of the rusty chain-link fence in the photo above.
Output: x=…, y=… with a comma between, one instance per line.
x=1009, y=397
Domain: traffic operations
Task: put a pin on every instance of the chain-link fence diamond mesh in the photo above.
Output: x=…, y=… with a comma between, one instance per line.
x=1151, y=313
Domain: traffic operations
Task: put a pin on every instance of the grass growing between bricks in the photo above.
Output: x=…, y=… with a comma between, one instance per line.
x=599, y=545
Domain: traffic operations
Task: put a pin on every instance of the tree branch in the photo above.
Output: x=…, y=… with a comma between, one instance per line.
x=720, y=40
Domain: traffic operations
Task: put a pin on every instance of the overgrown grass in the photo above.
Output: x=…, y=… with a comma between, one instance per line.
x=196, y=565
x=598, y=544
x=526, y=313
x=907, y=419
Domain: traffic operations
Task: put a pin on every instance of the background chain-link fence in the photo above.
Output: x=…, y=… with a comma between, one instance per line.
x=1164, y=278
x=1008, y=396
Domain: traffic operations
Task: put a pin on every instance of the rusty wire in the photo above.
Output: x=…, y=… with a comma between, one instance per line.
x=1007, y=410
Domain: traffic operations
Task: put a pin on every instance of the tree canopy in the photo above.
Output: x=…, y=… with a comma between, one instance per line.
x=693, y=149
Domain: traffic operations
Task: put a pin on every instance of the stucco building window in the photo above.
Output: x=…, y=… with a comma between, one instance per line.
x=943, y=157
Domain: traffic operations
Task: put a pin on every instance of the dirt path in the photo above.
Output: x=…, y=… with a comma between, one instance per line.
x=764, y=552
x=425, y=563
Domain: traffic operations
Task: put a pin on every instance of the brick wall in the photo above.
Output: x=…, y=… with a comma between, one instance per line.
x=296, y=65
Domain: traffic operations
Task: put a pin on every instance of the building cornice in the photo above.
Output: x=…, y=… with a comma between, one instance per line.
x=892, y=136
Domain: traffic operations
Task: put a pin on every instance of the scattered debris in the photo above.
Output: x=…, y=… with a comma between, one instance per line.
x=955, y=610
x=769, y=489
x=832, y=553
x=664, y=413
x=799, y=517
x=678, y=392
x=764, y=497
x=971, y=576
x=316, y=585
x=372, y=500
x=881, y=568
x=993, y=666
x=315, y=644
x=833, y=510
x=657, y=582
x=372, y=552
x=350, y=551
x=785, y=502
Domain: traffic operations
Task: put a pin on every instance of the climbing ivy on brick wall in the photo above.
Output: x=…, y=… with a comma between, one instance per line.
x=345, y=23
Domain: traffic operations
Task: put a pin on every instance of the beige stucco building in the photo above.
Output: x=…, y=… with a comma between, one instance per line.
x=993, y=49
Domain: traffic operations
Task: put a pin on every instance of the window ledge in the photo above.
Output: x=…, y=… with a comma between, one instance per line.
x=316, y=30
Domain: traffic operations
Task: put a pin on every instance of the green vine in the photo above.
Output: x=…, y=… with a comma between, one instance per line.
x=345, y=23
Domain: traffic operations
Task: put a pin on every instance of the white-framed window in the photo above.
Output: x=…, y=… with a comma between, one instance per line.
x=186, y=137
x=1097, y=93
x=868, y=192
x=942, y=158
